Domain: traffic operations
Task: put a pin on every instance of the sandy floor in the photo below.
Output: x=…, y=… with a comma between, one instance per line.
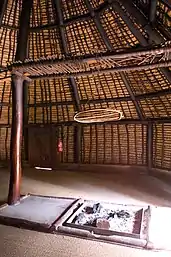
x=125, y=187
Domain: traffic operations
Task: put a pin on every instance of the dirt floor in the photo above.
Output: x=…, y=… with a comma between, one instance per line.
x=127, y=186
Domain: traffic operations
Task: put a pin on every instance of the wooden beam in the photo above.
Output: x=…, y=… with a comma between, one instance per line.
x=133, y=98
x=153, y=8
x=123, y=121
x=16, y=140
x=117, y=7
x=3, y=5
x=96, y=18
x=150, y=147
x=18, y=91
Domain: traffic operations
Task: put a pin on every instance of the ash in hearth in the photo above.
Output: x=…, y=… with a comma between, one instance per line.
x=108, y=217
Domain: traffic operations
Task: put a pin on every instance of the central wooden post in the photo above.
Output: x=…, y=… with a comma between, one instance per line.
x=16, y=139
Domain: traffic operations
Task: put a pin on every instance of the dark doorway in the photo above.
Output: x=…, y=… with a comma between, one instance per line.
x=41, y=147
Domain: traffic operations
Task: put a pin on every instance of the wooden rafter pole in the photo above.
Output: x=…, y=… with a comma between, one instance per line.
x=18, y=107
x=72, y=84
x=3, y=5
x=153, y=9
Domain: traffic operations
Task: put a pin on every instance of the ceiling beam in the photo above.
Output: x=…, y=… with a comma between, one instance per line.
x=153, y=9
x=135, y=31
x=96, y=18
x=133, y=98
x=119, y=122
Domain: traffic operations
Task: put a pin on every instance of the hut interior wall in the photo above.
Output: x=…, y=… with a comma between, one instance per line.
x=50, y=101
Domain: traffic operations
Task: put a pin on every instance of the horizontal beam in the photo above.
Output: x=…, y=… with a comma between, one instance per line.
x=123, y=121
x=74, y=123
x=105, y=71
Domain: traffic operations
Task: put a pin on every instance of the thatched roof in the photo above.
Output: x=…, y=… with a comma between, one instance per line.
x=74, y=29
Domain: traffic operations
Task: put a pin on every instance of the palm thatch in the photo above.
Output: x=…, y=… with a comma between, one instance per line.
x=78, y=29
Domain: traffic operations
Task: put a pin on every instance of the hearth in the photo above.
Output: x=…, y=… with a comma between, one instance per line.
x=108, y=219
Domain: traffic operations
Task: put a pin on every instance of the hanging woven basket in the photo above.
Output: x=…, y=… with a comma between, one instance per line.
x=98, y=115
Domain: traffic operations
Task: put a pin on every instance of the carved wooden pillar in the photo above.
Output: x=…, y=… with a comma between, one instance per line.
x=16, y=139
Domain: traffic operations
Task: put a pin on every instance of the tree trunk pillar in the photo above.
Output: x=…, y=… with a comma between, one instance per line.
x=16, y=140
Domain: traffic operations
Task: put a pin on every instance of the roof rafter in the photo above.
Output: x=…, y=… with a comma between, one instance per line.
x=153, y=8
x=3, y=4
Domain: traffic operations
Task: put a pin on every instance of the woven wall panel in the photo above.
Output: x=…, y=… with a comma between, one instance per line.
x=8, y=39
x=72, y=8
x=101, y=86
x=127, y=108
x=162, y=146
x=11, y=16
x=147, y=81
x=114, y=144
x=84, y=38
x=5, y=136
x=42, y=13
x=44, y=43
x=156, y=107
x=114, y=25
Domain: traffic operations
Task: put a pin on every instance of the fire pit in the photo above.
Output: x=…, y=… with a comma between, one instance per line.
x=110, y=219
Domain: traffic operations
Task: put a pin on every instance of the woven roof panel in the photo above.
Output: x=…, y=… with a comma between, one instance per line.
x=84, y=38
x=101, y=87
x=8, y=40
x=127, y=108
x=157, y=107
x=72, y=8
x=49, y=91
x=96, y=3
x=114, y=25
x=12, y=13
x=42, y=13
x=147, y=81
x=44, y=43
